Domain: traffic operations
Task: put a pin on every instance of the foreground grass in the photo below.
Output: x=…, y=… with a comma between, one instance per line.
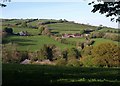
x=43, y=75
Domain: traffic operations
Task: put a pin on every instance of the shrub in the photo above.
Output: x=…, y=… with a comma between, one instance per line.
x=23, y=24
x=40, y=55
x=8, y=30
x=82, y=31
x=74, y=53
x=65, y=54
x=46, y=31
x=114, y=37
x=73, y=62
x=32, y=56
x=87, y=50
x=61, y=62
x=89, y=42
x=11, y=55
x=41, y=28
x=24, y=55
x=97, y=35
x=106, y=54
x=87, y=61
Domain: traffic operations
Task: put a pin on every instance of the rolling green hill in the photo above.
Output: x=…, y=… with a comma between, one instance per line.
x=35, y=42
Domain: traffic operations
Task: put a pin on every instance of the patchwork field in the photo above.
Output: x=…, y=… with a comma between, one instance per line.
x=35, y=42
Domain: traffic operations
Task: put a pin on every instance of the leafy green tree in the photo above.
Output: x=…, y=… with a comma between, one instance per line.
x=106, y=54
x=82, y=31
x=8, y=30
x=60, y=21
x=87, y=51
x=109, y=8
x=51, y=52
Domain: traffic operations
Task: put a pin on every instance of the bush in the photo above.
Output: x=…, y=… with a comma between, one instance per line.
x=87, y=61
x=23, y=24
x=73, y=62
x=97, y=35
x=65, y=54
x=82, y=31
x=106, y=54
x=46, y=31
x=89, y=42
x=13, y=56
x=41, y=28
x=74, y=53
x=31, y=56
x=61, y=62
x=8, y=30
x=87, y=50
x=40, y=55
x=114, y=37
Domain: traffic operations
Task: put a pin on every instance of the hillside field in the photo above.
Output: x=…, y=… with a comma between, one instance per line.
x=36, y=42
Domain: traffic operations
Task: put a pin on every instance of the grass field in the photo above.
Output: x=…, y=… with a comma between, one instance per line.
x=29, y=30
x=69, y=27
x=102, y=40
x=43, y=75
x=36, y=42
x=33, y=43
x=97, y=40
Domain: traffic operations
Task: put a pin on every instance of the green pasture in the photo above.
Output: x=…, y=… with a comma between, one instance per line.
x=35, y=23
x=97, y=40
x=43, y=75
x=36, y=42
x=102, y=40
x=29, y=30
x=13, y=21
x=33, y=43
x=69, y=27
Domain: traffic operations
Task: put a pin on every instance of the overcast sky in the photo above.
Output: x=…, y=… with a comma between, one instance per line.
x=74, y=11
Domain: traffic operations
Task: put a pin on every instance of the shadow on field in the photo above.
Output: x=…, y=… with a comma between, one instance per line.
x=43, y=75
x=19, y=41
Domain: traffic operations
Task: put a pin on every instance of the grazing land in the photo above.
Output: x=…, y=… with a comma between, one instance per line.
x=35, y=42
